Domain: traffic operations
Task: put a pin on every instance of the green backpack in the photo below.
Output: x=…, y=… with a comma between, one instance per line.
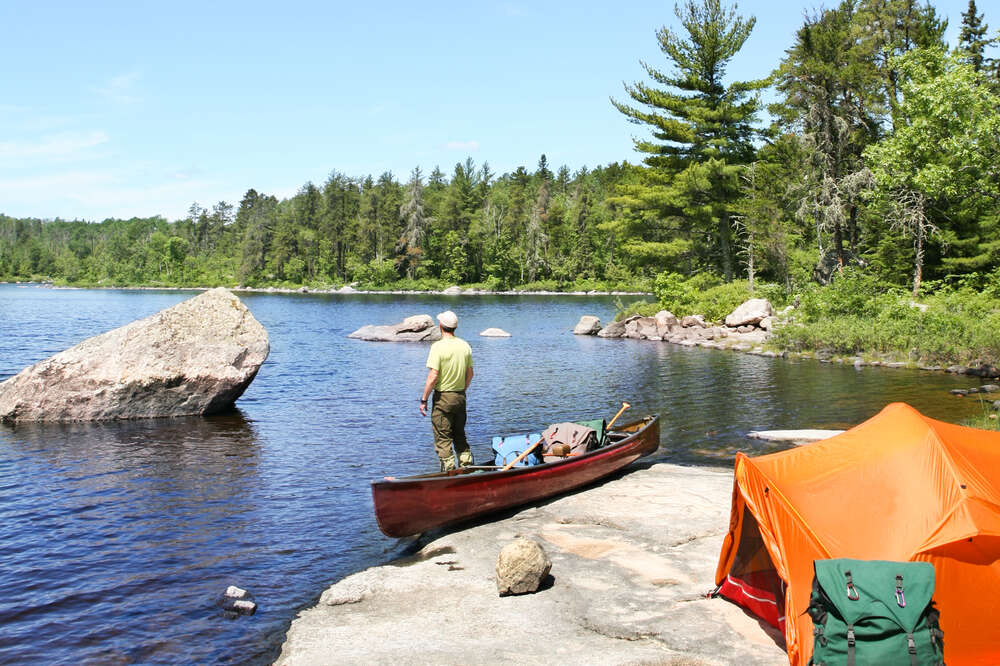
x=873, y=613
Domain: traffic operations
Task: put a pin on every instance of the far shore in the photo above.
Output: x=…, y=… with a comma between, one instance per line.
x=735, y=343
x=349, y=290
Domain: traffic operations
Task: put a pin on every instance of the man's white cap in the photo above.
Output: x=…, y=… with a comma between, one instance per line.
x=448, y=319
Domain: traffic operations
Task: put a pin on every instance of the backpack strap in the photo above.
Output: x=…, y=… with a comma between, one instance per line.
x=850, y=643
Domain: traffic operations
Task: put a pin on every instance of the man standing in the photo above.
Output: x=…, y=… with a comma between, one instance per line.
x=449, y=372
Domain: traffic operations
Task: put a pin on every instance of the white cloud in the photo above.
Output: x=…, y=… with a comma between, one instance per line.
x=121, y=89
x=99, y=194
x=462, y=145
x=62, y=182
x=53, y=147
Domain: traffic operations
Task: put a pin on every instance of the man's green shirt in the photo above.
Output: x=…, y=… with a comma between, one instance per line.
x=451, y=357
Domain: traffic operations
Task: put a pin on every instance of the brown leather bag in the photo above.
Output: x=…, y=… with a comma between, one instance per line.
x=563, y=440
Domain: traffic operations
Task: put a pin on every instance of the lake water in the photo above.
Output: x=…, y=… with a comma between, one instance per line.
x=117, y=539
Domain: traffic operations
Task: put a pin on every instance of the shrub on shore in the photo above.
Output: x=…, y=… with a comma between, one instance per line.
x=858, y=315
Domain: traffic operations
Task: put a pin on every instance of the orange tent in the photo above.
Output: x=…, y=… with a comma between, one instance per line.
x=900, y=486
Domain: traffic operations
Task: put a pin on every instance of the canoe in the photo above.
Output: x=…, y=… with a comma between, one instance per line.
x=416, y=504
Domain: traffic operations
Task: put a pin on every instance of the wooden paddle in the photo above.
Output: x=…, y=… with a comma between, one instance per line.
x=625, y=406
x=524, y=454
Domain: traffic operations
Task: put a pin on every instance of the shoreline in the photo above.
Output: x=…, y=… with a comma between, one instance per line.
x=732, y=343
x=450, y=291
x=633, y=558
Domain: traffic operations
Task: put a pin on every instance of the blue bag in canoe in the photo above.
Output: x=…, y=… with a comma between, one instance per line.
x=508, y=448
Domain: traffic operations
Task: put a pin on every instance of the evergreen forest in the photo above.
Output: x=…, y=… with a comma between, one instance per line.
x=880, y=154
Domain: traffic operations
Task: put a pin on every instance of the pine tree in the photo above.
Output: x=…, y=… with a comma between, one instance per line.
x=410, y=246
x=972, y=40
x=703, y=129
x=832, y=99
x=890, y=28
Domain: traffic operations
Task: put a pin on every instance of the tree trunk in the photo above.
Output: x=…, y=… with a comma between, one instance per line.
x=852, y=230
x=918, y=268
x=725, y=242
x=838, y=243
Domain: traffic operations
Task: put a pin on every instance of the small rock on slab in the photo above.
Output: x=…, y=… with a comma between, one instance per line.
x=495, y=333
x=521, y=567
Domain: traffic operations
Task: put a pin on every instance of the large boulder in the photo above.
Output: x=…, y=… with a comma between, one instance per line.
x=750, y=313
x=196, y=357
x=418, y=328
x=522, y=566
x=588, y=325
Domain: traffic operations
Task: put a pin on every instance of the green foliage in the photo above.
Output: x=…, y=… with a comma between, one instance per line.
x=455, y=259
x=671, y=291
x=859, y=317
x=702, y=136
x=853, y=293
x=708, y=295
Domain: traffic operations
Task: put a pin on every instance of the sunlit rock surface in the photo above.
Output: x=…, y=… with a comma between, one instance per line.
x=196, y=357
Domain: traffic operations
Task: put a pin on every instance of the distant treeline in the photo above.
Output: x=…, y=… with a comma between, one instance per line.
x=884, y=153
x=473, y=227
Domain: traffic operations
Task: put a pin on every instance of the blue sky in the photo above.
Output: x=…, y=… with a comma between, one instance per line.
x=120, y=109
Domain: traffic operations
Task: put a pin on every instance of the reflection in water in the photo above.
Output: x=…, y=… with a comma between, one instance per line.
x=116, y=539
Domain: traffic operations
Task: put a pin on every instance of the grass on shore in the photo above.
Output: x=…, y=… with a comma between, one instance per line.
x=856, y=316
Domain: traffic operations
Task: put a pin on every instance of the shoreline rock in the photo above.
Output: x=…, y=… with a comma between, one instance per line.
x=197, y=357
x=632, y=560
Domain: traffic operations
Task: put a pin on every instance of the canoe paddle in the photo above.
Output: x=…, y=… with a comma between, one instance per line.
x=625, y=406
x=524, y=454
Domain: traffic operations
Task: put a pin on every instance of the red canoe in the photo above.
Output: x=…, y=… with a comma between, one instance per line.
x=418, y=503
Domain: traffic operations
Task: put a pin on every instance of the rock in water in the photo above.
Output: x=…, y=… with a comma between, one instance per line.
x=418, y=328
x=588, y=325
x=495, y=333
x=196, y=357
x=521, y=567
